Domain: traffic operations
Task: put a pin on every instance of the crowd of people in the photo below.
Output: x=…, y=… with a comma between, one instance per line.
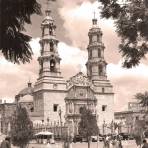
x=111, y=141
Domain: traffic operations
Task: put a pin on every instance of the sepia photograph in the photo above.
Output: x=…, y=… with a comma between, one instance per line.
x=73, y=73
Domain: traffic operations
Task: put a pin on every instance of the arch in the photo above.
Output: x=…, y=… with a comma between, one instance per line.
x=50, y=31
x=103, y=89
x=70, y=107
x=101, y=70
x=99, y=53
x=52, y=65
x=51, y=46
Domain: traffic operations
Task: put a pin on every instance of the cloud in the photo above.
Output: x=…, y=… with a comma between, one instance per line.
x=14, y=77
x=73, y=59
x=73, y=21
x=127, y=82
x=77, y=22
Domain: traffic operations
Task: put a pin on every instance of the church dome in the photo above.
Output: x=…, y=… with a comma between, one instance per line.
x=26, y=99
x=26, y=91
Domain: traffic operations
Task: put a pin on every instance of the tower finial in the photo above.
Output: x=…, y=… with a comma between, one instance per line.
x=29, y=82
x=94, y=20
x=47, y=11
x=80, y=67
x=94, y=14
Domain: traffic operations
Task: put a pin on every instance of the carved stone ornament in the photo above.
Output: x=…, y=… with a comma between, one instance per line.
x=79, y=79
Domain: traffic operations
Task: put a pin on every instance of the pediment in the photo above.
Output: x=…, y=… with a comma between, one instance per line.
x=79, y=80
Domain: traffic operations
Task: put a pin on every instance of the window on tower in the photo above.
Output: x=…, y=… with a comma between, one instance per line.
x=98, y=38
x=41, y=67
x=104, y=107
x=90, y=40
x=99, y=53
x=42, y=32
x=51, y=46
x=52, y=65
x=55, y=107
x=100, y=70
x=50, y=31
x=90, y=54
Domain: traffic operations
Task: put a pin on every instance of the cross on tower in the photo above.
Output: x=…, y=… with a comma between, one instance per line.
x=80, y=67
x=48, y=2
x=94, y=20
x=94, y=14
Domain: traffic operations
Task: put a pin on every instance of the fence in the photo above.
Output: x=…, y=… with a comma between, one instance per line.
x=59, y=130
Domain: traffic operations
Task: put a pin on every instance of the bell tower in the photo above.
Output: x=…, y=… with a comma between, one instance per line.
x=50, y=88
x=96, y=72
x=96, y=64
x=49, y=60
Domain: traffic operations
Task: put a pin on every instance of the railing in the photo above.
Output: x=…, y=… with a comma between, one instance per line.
x=58, y=130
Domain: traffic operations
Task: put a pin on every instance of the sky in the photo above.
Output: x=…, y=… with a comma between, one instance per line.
x=74, y=19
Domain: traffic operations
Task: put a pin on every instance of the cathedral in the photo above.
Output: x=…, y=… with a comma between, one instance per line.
x=56, y=99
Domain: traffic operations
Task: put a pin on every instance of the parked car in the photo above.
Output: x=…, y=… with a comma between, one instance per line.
x=101, y=138
x=125, y=136
x=131, y=137
x=94, y=138
x=77, y=138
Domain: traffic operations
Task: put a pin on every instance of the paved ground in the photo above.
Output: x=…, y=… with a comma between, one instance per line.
x=126, y=144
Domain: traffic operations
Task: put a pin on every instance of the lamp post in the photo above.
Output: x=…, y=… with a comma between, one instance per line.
x=60, y=114
x=97, y=116
x=103, y=127
x=42, y=126
x=47, y=125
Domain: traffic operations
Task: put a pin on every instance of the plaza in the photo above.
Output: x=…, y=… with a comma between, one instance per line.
x=126, y=144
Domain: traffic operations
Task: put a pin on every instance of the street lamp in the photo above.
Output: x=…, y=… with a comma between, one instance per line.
x=48, y=120
x=60, y=114
x=103, y=127
x=97, y=117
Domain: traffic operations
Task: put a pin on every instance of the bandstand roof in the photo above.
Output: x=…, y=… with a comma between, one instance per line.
x=46, y=133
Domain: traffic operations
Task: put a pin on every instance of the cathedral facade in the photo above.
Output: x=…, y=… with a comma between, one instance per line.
x=58, y=100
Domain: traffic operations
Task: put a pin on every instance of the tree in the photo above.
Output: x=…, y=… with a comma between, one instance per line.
x=14, y=44
x=143, y=98
x=21, y=127
x=131, y=20
x=140, y=125
x=87, y=125
x=138, y=130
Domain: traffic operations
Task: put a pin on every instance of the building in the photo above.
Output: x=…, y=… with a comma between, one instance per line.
x=136, y=106
x=80, y=94
x=55, y=99
x=53, y=94
x=127, y=118
x=50, y=88
x=6, y=111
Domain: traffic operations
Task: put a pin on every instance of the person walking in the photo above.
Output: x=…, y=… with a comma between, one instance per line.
x=145, y=144
x=106, y=142
x=119, y=143
x=6, y=143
